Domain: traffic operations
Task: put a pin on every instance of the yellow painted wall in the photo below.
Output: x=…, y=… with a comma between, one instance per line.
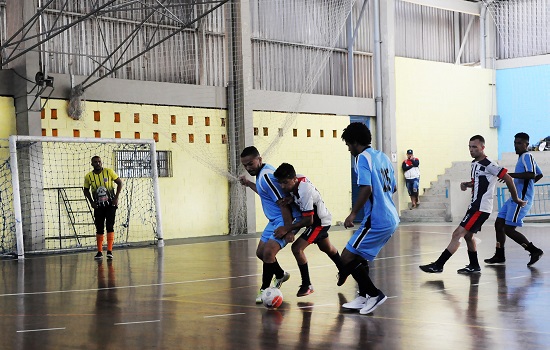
x=194, y=202
x=324, y=160
x=7, y=117
x=439, y=107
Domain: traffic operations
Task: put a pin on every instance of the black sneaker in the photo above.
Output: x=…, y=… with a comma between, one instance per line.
x=495, y=260
x=469, y=269
x=535, y=256
x=109, y=255
x=304, y=290
x=342, y=277
x=431, y=268
x=98, y=256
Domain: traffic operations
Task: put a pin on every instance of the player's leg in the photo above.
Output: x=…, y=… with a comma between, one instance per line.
x=110, y=223
x=365, y=244
x=473, y=266
x=298, y=248
x=99, y=221
x=520, y=239
x=499, y=257
x=330, y=250
x=272, y=247
x=260, y=250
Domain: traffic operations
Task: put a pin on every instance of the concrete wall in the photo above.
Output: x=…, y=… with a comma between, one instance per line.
x=440, y=106
x=7, y=117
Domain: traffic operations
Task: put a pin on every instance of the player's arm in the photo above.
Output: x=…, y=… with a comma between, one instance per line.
x=89, y=197
x=307, y=220
x=528, y=175
x=512, y=188
x=119, y=185
x=405, y=167
x=364, y=194
x=247, y=183
x=415, y=162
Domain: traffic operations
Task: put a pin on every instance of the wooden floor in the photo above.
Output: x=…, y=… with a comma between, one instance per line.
x=200, y=295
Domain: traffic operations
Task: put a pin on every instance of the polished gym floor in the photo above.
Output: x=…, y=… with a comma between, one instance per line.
x=199, y=294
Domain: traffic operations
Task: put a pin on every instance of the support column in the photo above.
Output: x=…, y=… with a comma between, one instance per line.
x=240, y=85
x=28, y=122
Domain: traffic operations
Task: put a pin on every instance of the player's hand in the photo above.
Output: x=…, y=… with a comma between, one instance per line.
x=289, y=237
x=521, y=203
x=115, y=202
x=243, y=180
x=280, y=232
x=464, y=186
x=285, y=201
x=349, y=221
x=94, y=205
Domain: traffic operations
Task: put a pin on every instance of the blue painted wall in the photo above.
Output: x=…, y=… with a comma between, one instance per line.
x=523, y=103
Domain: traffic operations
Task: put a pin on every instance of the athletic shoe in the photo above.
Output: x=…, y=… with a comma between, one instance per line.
x=469, y=269
x=304, y=290
x=535, y=256
x=431, y=268
x=98, y=256
x=357, y=304
x=495, y=260
x=259, y=296
x=373, y=302
x=278, y=282
x=109, y=255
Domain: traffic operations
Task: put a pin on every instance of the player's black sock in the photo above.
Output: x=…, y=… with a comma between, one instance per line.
x=267, y=275
x=278, y=270
x=361, y=275
x=446, y=255
x=304, y=272
x=337, y=260
x=473, y=259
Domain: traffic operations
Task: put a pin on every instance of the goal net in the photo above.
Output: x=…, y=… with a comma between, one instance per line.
x=42, y=205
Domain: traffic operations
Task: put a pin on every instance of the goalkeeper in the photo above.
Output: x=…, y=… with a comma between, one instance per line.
x=104, y=200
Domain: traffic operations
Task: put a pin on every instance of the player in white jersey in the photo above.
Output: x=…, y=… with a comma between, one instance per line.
x=376, y=181
x=315, y=218
x=484, y=176
x=511, y=215
x=270, y=192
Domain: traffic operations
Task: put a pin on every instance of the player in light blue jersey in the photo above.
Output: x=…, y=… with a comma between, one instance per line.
x=511, y=215
x=269, y=190
x=376, y=180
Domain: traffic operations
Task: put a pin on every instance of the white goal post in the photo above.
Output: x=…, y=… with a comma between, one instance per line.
x=49, y=209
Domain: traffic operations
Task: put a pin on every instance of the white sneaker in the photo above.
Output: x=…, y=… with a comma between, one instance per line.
x=278, y=282
x=259, y=297
x=357, y=304
x=372, y=303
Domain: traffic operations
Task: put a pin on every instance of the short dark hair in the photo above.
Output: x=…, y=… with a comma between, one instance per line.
x=522, y=135
x=478, y=137
x=285, y=171
x=250, y=151
x=357, y=133
x=95, y=157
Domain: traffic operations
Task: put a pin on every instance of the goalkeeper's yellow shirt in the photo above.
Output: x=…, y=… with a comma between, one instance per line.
x=104, y=179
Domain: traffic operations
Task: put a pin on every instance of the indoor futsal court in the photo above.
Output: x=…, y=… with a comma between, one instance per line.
x=199, y=294
x=131, y=123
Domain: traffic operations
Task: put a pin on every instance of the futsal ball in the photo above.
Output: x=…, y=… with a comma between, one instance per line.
x=272, y=298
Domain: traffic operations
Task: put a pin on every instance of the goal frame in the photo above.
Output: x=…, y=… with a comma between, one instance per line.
x=13, y=139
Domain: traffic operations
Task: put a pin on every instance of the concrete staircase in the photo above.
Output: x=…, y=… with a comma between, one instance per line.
x=434, y=200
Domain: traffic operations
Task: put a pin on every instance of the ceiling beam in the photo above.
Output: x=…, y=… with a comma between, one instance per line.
x=472, y=8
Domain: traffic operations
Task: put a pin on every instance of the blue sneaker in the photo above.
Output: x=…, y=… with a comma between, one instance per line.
x=373, y=302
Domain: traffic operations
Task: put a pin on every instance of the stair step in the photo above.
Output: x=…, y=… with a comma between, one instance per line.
x=422, y=219
x=430, y=205
x=433, y=198
x=424, y=213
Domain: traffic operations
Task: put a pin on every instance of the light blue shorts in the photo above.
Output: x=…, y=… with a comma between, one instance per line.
x=367, y=242
x=513, y=213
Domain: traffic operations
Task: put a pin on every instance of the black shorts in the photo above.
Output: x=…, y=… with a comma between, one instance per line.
x=473, y=220
x=315, y=234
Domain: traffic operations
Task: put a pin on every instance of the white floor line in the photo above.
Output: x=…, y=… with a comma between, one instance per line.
x=137, y=322
x=40, y=330
x=225, y=315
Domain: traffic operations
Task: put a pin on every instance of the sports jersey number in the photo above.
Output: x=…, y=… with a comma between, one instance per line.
x=386, y=179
